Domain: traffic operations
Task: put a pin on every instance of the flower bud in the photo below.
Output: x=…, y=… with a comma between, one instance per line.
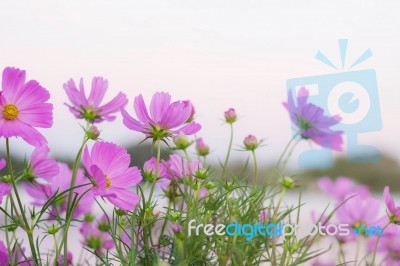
x=120, y=212
x=181, y=141
x=176, y=228
x=288, y=182
x=93, y=133
x=230, y=116
x=201, y=147
x=250, y=142
x=52, y=230
x=210, y=185
x=88, y=218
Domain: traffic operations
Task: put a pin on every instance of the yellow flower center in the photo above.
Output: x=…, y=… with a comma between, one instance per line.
x=108, y=181
x=10, y=111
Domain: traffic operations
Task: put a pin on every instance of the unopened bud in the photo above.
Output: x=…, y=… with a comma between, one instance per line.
x=230, y=116
x=93, y=133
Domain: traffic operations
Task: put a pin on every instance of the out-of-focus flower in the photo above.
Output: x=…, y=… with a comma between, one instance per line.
x=178, y=168
x=230, y=115
x=4, y=257
x=61, y=182
x=176, y=228
x=181, y=141
x=69, y=259
x=23, y=107
x=90, y=108
x=312, y=123
x=201, y=147
x=40, y=166
x=393, y=210
x=108, y=165
x=5, y=188
x=149, y=170
x=342, y=187
x=388, y=245
x=166, y=119
x=359, y=211
x=95, y=238
x=251, y=143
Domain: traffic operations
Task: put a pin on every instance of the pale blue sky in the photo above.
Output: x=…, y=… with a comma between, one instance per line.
x=219, y=54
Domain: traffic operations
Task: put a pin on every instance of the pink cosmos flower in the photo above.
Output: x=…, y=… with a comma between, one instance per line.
x=388, y=245
x=40, y=166
x=166, y=119
x=149, y=170
x=23, y=107
x=178, y=168
x=69, y=259
x=230, y=115
x=90, y=108
x=312, y=123
x=393, y=210
x=359, y=211
x=5, y=188
x=108, y=165
x=61, y=182
x=342, y=187
x=4, y=257
x=95, y=238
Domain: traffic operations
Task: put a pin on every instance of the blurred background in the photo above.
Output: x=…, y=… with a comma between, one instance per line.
x=218, y=54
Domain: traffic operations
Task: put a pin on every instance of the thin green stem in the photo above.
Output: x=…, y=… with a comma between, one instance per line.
x=274, y=221
x=255, y=168
x=153, y=185
x=57, y=250
x=229, y=152
x=28, y=230
x=69, y=212
x=286, y=149
x=376, y=244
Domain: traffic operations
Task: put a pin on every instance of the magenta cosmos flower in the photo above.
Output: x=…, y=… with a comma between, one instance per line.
x=40, y=166
x=312, y=123
x=4, y=257
x=166, y=119
x=108, y=165
x=5, y=188
x=61, y=182
x=90, y=108
x=23, y=107
x=393, y=210
x=95, y=237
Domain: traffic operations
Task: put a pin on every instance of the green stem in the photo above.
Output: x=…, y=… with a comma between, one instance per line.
x=286, y=149
x=229, y=152
x=28, y=230
x=274, y=220
x=255, y=168
x=69, y=211
x=57, y=250
x=376, y=244
x=153, y=185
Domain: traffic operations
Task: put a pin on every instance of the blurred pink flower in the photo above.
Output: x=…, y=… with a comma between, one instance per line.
x=178, y=167
x=90, y=108
x=312, y=123
x=359, y=211
x=201, y=148
x=95, y=238
x=393, y=210
x=388, y=245
x=60, y=183
x=166, y=119
x=251, y=143
x=5, y=188
x=341, y=188
x=69, y=259
x=40, y=166
x=4, y=257
x=23, y=107
x=108, y=165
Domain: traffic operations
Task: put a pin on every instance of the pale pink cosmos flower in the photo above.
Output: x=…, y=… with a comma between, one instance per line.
x=61, y=182
x=23, y=106
x=341, y=187
x=178, y=167
x=95, y=238
x=388, y=244
x=91, y=108
x=108, y=165
x=5, y=188
x=359, y=211
x=166, y=119
x=393, y=210
x=40, y=166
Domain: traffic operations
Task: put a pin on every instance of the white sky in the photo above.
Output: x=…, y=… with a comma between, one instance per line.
x=219, y=54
